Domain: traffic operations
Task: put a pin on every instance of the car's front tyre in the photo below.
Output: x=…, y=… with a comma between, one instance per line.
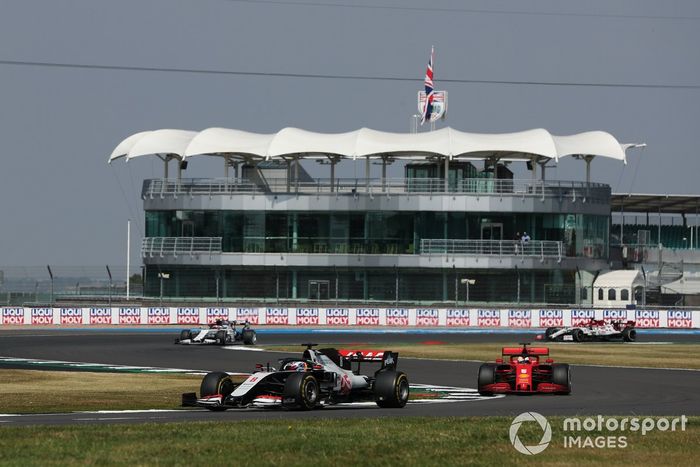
x=629, y=334
x=249, y=337
x=561, y=374
x=217, y=383
x=487, y=375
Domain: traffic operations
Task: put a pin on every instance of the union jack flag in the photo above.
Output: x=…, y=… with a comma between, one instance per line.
x=429, y=91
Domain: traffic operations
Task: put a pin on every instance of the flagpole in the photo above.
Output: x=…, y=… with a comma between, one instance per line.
x=128, y=255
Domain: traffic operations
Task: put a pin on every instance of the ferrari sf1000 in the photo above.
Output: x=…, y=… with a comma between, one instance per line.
x=521, y=371
x=222, y=332
x=320, y=377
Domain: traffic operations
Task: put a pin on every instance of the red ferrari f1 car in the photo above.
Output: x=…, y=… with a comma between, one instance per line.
x=520, y=371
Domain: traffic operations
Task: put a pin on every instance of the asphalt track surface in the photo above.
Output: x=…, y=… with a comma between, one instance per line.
x=596, y=390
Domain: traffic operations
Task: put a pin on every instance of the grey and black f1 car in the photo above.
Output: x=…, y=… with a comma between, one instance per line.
x=594, y=330
x=222, y=332
x=320, y=377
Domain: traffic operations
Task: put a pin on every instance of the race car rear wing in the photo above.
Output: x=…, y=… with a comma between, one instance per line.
x=388, y=358
x=528, y=350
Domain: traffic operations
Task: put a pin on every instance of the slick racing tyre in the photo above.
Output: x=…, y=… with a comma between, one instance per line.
x=221, y=337
x=578, y=335
x=214, y=383
x=249, y=337
x=487, y=375
x=301, y=392
x=629, y=334
x=184, y=334
x=391, y=389
x=561, y=374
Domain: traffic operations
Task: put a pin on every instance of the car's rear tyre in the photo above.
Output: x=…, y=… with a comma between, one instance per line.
x=578, y=335
x=629, y=334
x=221, y=337
x=487, y=375
x=217, y=382
x=184, y=334
x=249, y=337
x=561, y=374
x=301, y=392
x=391, y=389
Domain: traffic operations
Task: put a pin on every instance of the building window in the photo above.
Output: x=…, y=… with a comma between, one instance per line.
x=612, y=295
x=600, y=294
x=624, y=294
x=584, y=293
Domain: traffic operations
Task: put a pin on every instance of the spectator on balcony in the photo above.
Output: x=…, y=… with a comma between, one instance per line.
x=525, y=239
x=517, y=239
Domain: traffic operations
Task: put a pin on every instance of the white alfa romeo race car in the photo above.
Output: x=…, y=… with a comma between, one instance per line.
x=317, y=379
x=222, y=332
x=594, y=330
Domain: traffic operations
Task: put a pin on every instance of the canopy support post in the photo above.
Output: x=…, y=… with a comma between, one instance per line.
x=226, y=164
x=296, y=174
x=333, y=162
x=447, y=174
x=166, y=160
x=383, y=173
x=367, y=173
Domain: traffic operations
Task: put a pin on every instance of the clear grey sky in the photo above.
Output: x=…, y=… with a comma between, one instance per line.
x=62, y=204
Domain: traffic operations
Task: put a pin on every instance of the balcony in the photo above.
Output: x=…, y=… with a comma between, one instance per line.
x=539, y=189
x=533, y=248
x=175, y=246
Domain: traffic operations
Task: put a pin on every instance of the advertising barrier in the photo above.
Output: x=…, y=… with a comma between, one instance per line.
x=515, y=318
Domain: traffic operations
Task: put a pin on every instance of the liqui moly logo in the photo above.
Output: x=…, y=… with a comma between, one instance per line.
x=248, y=314
x=427, y=317
x=100, y=316
x=71, y=316
x=519, y=318
x=158, y=315
x=188, y=316
x=457, y=317
x=615, y=314
x=680, y=319
x=307, y=316
x=42, y=316
x=581, y=317
x=276, y=316
x=397, y=317
x=551, y=318
x=367, y=316
x=488, y=318
x=647, y=318
x=129, y=315
x=214, y=314
x=336, y=316
x=13, y=316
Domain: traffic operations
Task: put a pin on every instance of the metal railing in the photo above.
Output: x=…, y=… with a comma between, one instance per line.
x=161, y=246
x=537, y=248
x=559, y=189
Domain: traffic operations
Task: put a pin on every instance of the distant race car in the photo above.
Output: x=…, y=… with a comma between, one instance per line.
x=594, y=330
x=521, y=371
x=316, y=379
x=222, y=332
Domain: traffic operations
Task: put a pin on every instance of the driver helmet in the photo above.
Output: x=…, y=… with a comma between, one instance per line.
x=296, y=366
x=523, y=359
x=218, y=322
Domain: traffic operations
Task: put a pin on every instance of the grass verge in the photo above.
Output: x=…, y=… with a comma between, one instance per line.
x=641, y=355
x=36, y=391
x=387, y=441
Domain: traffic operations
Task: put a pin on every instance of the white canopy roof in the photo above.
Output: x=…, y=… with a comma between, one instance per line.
x=295, y=142
x=623, y=278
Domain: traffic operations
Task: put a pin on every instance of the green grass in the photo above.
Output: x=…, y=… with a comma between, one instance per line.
x=641, y=355
x=329, y=442
x=36, y=391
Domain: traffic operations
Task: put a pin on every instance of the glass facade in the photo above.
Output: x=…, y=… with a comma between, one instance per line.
x=380, y=232
x=385, y=285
